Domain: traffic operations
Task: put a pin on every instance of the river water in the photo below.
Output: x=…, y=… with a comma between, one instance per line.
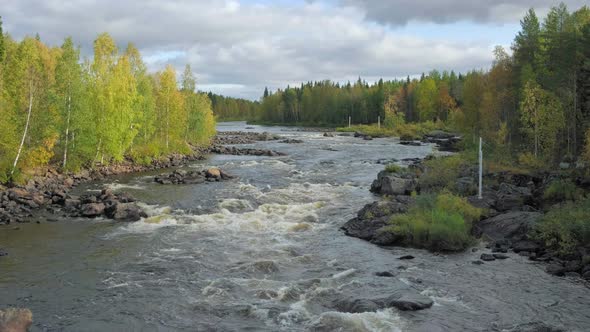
x=264, y=253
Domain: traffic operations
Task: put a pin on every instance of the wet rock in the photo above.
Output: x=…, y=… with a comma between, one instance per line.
x=266, y=266
x=92, y=209
x=487, y=257
x=213, y=173
x=406, y=257
x=232, y=150
x=556, y=269
x=525, y=245
x=410, y=143
x=407, y=301
x=127, y=212
x=357, y=306
x=291, y=141
x=371, y=218
x=572, y=275
x=478, y=262
x=15, y=320
x=385, y=274
x=500, y=256
x=586, y=275
x=3, y=252
x=329, y=135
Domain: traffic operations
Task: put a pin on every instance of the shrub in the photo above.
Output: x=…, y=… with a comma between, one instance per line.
x=567, y=227
x=436, y=222
x=529, y=160
x=562, y=190
x=393, y=168
x=441, y=173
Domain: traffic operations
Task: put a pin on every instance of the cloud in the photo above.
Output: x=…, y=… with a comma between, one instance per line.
x=400, y=12
x=238, y=48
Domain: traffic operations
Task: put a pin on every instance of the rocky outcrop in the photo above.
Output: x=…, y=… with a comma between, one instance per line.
x=388, y=183
x=193, y=177
x=513, y=227
x=232, y=150
x=374, y=216
x=15, y=320
x=445, y=141
x=119, y=207
x=242, y=137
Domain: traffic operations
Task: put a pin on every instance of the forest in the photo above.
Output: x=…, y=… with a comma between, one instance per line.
x=533, y=102
x=58, y=109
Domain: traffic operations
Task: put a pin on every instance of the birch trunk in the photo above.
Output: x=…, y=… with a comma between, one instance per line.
x=67, y=132
x=22, y=142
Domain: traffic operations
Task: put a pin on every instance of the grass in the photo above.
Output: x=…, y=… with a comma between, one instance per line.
x=405, y=131
x=440, y=222
x=566, y=228
x=442, y=172
x=393, y=168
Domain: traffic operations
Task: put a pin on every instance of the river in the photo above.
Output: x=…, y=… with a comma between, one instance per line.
x=264, y=253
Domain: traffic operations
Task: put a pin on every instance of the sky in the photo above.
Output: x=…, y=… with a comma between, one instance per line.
x=237, y=47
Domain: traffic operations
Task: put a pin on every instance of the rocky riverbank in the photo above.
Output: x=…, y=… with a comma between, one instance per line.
x=512, y=206
x=192, y=177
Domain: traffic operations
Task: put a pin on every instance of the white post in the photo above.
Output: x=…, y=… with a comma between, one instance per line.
x=379, y=121
x=349, y=120
x=480, y=169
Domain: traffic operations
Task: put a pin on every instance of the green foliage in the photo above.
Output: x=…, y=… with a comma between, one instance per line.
x=393, y=168
x=442, y=172
x=437, y=222
x=562, y=190
x=567, y=227
x=55, y=109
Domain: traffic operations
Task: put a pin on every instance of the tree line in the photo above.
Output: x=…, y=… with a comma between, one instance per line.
x=535, y=101
x=233, y=109
x=56, y=108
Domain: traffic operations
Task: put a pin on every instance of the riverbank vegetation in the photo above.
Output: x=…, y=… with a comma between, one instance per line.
x=58, y=109
x=438, y=222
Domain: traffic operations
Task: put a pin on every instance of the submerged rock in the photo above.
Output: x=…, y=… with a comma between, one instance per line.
x=407, y=301
x=357, y=306
x=487, y=257
x=125, y=212
x=533, y=327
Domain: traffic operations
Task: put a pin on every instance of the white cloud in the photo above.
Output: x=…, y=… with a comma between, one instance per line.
x=237, y=48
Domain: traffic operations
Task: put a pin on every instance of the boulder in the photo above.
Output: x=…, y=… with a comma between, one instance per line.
x=15, y=320
x=371, y=218
x=127, y=212
x=393, y=184
x=511, y=227
x=356, y=306
x=92, y=209
x=487, y=257
x=213, y=173
x=408, y=301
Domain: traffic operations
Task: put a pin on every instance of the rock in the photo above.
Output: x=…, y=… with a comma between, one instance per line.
x=356, y=306
x=15, y=320
x=478, y=262
x=407, y=301
x=439, y=134
x=266, y=266
x=127, y=212
x=3, y=252
x=291, y=141
x=328, y=135
x=71, y=204
x=511, y=226
x=385, y=274
x=213, y=173
x=410, y=143
x=556, y=269
x=393, y=184
x=586, y=275
x=406, y=257
x=18, y=194
x=371, y=218
x=572, y=275
x=92, y=209
x=487, y=257
x=525, y=245
x=512, y=198
x=500, y=256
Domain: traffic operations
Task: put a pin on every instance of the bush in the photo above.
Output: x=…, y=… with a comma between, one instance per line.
x=567, y=227
x=529, y=160
x=562, y=190
x=442, y=172
x=436, y=222
x=393, y=168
